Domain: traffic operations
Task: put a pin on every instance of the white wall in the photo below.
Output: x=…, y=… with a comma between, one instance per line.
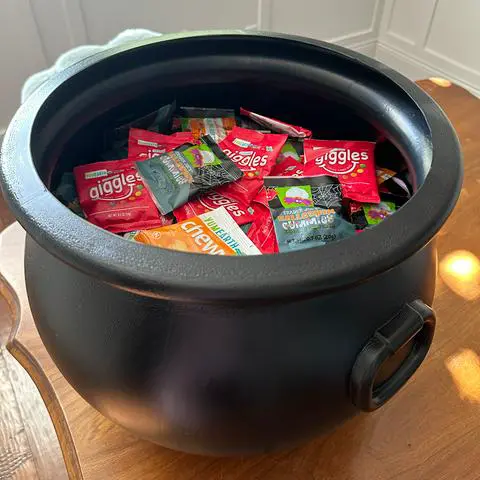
x=34, y=33
x=423, y=38
x=21, y=53
x=351, y=23
x=420, y=38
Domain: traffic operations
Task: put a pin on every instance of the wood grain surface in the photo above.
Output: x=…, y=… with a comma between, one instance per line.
x=29, y=447
x=430, y=430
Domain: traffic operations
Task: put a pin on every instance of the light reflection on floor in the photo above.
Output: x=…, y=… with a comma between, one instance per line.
x=460, y=270
x=441, y=82
x=464, y=367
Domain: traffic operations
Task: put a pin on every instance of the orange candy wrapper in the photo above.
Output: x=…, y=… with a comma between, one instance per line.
x=212, y=233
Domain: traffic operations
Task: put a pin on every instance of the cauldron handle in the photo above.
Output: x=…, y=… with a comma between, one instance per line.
x=409, y=331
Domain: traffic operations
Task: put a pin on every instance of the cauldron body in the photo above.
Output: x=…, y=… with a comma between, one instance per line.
x=231, y=355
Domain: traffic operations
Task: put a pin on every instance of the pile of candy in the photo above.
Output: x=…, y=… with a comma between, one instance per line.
x=227, y=184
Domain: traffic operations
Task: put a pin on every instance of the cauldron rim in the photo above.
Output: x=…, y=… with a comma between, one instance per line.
x=135, y=267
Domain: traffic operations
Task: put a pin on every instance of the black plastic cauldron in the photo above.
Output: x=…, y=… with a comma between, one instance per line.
x=231, y=355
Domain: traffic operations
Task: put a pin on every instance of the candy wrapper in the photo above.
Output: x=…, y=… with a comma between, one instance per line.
x=66, y=192
x=212, y=200
x=144, y=144
x=364, y=215
x=262, y=234
x=292, y=150
x=306, y=211
x=113, y=196
x=156, y=121
x=245, y=122
x=213, y=233
x=276, y=125
x=245, y=228
x=393, y=186
x=262, y=231
x=216, y=122
x=288, y=168
x=352, y=162
x=255, y=154
x=174, y=177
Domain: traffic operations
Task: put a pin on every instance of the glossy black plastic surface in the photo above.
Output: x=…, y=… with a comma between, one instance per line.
x=300, y=74
x=412, y=328
x=223, y=355
x=221, y=378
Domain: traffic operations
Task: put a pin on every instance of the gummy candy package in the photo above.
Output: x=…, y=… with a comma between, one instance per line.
x=351, y=162
x=143, y=144
x=113, y=196
x=255, y=153
x=212, y=200
x=364, y=215
x=176, y=176
x=306, y=211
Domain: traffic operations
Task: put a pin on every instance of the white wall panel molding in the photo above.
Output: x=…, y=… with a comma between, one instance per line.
x=353, y=24
x=61, y=25
x=264, y=15
x=420, y=38
x=417, y=68
x=440, y=37
x=405, y=22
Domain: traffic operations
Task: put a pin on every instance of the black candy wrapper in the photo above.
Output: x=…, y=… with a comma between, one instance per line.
x=364, y=215
x=66, y=192
x=158, y=120
x=307, y=211
x=394, y=187
x=174, y=177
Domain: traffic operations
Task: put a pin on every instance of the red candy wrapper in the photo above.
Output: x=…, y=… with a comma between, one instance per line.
x=352, y=162
x=255, y=154
x=288, y=168
x=145, y=144
x=212, y=200
x=262, y=231
x=276, y=125
x=113, y=196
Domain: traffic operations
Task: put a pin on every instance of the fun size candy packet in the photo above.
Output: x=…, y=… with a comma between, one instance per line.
x=255, y=153
x=240, y=212
x=158, y=120
x=262, y=230
x=144, y=144
x=351, y=162
x=66, y=192
x=364, y=215
x=245, y=122
x=174, y=177
x=306, y=211
x=277, y=126
x=292, y=150
x=113, y=196
x=213, y=233
x=216, y=122
x=288, y=168
x=394, y=186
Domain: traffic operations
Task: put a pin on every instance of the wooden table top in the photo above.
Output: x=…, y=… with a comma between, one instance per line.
x=430, y=430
